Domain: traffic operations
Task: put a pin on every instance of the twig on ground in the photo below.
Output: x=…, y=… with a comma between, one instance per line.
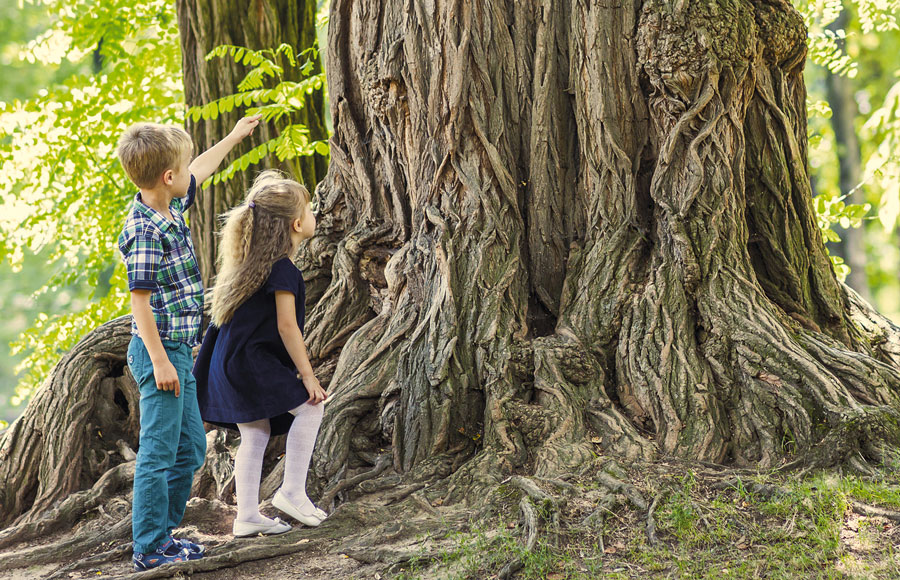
x=651, y=522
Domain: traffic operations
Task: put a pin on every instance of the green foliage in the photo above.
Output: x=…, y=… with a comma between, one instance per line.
x=830, y=211
x=826, y=42
x=859, y=40
x=276, y=103
x=883, y=167
x=64, y=195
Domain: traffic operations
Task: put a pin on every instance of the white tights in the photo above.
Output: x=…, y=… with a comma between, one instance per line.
x=298, y=451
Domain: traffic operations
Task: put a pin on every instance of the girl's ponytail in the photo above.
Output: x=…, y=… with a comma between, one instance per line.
x=254, y=235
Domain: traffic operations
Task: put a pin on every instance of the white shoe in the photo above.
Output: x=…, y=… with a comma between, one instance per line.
x=320, y=513
x=307, y=517
x=243, y=529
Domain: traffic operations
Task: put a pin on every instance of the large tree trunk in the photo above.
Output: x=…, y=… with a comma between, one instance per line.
x=255, y=25
x=591, y=219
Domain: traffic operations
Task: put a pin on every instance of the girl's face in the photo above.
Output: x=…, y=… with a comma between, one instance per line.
x=303, y=227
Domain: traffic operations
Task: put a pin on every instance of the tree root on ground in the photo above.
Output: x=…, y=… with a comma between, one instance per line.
x=548, y=508
x=864, y=437
x=651, y=521
x=329, y=494
x=71, y=508
x=763, y=490
x=235, y=552
x=65, y=549
x=629, y=491
x=874, y=511
x=119, y=552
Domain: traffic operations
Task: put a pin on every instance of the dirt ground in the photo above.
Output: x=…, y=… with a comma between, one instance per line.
x=668, y=519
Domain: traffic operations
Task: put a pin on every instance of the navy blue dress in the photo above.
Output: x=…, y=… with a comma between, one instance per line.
x=244, y=372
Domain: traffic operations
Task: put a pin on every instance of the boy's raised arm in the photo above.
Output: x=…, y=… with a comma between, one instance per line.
x=206, y=163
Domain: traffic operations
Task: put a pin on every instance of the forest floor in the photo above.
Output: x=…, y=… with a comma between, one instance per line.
x=666, y=519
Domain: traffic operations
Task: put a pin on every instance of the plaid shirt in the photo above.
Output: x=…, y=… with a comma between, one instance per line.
x=159, y=256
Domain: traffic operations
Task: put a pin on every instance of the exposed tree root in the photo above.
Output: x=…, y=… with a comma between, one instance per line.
x=234, y=553
x=874, y=511
x=763, y=490
x=651, y=521
x=216, y=477
x=628, y=490
x=66, y=549
x=328, y=496
x=548, y=510
x=68, y=434
x=119, y=552
x=72, y=507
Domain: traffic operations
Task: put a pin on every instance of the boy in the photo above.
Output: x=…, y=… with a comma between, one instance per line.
x=166, y=305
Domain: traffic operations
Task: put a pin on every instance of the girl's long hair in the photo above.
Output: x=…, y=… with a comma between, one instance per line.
x=255, y=235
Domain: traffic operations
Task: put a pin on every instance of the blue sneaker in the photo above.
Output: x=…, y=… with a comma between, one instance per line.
x=195, y=551
x=168, y=553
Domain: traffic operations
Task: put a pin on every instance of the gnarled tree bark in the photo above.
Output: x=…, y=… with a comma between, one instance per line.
x=594, y=220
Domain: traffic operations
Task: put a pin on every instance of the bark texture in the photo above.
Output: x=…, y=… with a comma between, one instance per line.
x=548, y=224
x=256, y=25
x=77, y=426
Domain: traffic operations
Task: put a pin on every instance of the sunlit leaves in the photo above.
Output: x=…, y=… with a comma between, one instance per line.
x=830, y=211
x=883, y=167
x=63, y=191
x=276, y=102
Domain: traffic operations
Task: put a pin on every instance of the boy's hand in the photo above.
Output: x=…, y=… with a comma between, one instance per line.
x=206, y=163
x=166, y=377
x=245, y=126
x=316, y=393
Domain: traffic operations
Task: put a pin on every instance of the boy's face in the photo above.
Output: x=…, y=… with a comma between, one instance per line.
x=181, y=176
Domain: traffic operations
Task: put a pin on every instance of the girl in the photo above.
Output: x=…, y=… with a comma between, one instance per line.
x=247, y=368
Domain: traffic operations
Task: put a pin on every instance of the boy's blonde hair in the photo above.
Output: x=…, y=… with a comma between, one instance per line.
x=256, y=234
x=147, y=150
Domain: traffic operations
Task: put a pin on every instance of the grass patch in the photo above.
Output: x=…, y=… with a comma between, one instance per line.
x=806, y=529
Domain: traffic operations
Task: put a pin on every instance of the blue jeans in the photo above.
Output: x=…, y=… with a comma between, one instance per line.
x=171, y=449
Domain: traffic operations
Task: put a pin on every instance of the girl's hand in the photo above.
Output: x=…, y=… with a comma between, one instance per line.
x=316, y=393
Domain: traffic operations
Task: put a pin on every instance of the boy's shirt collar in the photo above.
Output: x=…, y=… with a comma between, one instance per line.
x=158, y=219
